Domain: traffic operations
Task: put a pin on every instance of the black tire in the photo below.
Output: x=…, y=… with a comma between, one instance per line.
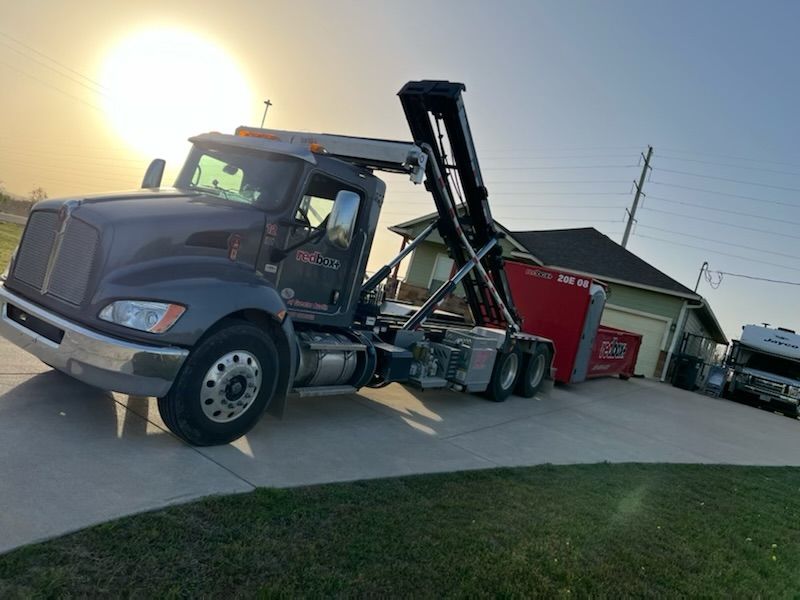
x=182, y=409
x=624, y=377
x=505, y=373
x=534, y=371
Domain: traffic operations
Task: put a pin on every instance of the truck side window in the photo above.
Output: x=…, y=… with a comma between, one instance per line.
x=317, y=201
x=313, y=210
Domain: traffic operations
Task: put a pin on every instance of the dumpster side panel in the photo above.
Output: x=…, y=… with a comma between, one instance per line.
x=552, y=304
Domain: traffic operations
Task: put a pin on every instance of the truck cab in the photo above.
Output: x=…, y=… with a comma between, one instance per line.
x=317, y=274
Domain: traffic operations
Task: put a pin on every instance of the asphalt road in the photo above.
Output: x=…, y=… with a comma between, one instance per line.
x=73, y=455
x=9, y=218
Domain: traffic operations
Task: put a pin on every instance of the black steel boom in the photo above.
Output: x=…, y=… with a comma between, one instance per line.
x=427, y=105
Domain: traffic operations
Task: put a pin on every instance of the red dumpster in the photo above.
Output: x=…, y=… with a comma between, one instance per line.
x=614, y=352
x=566, y=308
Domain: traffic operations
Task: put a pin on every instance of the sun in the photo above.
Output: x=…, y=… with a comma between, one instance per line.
x=161, y=86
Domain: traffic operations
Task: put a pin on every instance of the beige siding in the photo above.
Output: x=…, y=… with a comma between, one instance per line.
x=693, y=324
x=424, y=258
x=421, y=267
x=646, y=301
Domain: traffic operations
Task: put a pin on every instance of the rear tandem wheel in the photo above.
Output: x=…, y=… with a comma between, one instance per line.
x=534, y=371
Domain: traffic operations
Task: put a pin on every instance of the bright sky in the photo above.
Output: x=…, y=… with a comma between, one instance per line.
x=562, y=98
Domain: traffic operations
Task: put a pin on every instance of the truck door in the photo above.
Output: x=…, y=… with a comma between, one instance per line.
x=317, y=280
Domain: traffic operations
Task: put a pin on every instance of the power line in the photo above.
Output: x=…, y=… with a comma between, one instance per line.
x=705, y=239
x=53, y=60
x=704, y=249
x=89, y=171
x=570, y=167
x=580, y=206
x=500, y=202
x=532, y=193
x=693, y=218
x=88, y=179
x=742, y=158
x=488, y=156
x=54, y=70
x=80, y=186
x=733, y=166
x=78, y=165
x=739, y=181
x=603, y=149
x=728, y=273
x=53, y=87
x=562, y=181
x=728, y=194
x=406, y=214
x=35, y=142
x=721, y=210
x=63, y=153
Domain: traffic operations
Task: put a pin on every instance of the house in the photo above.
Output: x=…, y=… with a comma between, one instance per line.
x=641, y=298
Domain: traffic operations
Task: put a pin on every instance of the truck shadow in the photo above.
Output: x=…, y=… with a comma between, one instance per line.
x=53, y=404
x=442, y=411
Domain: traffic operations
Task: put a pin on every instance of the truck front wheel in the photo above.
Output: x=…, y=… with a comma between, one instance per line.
x=223, y=388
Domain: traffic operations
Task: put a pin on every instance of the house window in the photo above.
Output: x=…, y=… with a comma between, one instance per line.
x=442, y=268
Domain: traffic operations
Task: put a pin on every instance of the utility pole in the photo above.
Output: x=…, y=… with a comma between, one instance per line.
x=700, y=274
x=639, y=186
x=267, y=104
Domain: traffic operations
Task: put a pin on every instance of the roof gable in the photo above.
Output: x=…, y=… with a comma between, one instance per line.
x=590, y=251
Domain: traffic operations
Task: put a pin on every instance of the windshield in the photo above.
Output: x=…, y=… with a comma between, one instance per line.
x=261, y=179
x=775, y=365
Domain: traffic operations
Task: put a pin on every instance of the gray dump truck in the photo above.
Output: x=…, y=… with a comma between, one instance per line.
x=244, y=284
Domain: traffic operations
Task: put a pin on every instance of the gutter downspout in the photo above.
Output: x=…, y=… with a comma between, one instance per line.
x=678, y=334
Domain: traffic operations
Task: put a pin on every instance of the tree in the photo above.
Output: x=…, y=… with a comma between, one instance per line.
x=37, y=195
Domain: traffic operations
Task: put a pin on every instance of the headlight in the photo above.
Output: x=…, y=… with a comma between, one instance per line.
x=793, y=392
x=155, y=317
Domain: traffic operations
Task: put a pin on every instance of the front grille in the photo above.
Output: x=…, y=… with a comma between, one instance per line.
x=73, y=257
x=767, y=386
x=37, y=244
x=69, y=280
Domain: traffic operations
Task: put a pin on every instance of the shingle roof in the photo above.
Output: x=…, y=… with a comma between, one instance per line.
x=589, y=251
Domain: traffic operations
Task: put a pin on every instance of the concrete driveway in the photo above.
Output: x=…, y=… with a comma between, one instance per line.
x=72, y=455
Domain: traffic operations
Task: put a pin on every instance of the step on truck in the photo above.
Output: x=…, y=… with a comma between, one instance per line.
x=764, y=365
x=244, y=284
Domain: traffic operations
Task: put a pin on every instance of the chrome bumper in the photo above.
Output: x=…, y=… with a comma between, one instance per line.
x=770, y=394
x=91, y=357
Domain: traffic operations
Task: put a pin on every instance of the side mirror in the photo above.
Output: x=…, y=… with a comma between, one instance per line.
x=342, y=220
x=154, y=173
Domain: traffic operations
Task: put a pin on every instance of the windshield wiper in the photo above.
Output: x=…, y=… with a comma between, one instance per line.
x=214, y=189
x=223, y=190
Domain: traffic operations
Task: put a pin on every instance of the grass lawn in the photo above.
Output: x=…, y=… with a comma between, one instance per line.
x=573, y=531
x=9, y=237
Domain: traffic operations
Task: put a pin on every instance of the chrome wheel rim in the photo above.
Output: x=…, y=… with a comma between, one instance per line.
x=537, y=371
x=230, y=386
x=509, y=371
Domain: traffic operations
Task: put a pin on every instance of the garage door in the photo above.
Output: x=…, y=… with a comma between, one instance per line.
x=652, y=330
